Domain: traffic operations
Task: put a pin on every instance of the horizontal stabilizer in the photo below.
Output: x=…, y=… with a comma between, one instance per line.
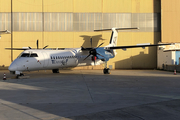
x=117, y=29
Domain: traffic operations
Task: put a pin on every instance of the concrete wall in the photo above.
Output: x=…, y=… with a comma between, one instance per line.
x=165, y=58
x=41, y=16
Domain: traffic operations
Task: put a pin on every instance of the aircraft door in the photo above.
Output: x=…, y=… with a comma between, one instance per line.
x=46, y=59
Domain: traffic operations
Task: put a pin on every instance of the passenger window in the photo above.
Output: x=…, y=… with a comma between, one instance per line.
x=33, y=55
x=25, y=55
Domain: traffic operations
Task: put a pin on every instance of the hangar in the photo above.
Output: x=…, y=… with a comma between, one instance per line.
x=70, y=24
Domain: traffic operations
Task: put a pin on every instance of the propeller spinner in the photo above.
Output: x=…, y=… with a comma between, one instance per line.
x=93, y=52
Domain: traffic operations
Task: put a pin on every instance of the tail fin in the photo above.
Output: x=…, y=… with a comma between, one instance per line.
x=114, y=35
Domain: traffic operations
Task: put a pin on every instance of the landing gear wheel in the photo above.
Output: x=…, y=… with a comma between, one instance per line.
x=55, y=70
x=21, y=74
x=106, y=71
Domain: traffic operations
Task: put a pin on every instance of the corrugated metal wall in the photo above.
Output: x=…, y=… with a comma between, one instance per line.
x=147, y=22
x=70, y=23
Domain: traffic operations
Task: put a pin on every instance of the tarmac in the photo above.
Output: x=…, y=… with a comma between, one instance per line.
x=91, y=95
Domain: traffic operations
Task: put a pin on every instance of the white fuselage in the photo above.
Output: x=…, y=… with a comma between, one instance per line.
x=31, y=60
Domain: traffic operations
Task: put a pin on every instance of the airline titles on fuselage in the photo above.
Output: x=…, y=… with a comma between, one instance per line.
x=62, y=60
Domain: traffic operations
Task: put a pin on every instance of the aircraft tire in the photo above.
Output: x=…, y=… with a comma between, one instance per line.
x=55, y=70
x=21, y=74
x=106, y=71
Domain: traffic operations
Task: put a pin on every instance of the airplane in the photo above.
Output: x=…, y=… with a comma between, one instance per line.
x=48, y=59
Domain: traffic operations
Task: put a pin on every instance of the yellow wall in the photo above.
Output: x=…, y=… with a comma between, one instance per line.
x=5, y=5
x=27, y=6
x=131, y=58
x=5, y=42
x=146, y=6
x=58, y=5
x=105, y=6
x=170, y=21
x=110, y=6
x=87, y=6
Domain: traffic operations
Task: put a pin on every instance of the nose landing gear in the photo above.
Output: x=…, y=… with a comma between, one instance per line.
x=19, y=75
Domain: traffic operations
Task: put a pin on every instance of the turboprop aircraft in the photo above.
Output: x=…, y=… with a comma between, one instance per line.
x=45, y=59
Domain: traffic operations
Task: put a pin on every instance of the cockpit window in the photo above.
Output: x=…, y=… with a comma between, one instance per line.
x=29, y=55
x=25, y=55
x=33, y=55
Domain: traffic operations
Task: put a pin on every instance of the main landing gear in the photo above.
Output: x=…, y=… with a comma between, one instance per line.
x=106, y=70
x=55, y=70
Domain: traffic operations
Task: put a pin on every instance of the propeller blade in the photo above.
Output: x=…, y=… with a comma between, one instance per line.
x=87, y=57
x=100, y=45
x=91, y=41
x=45, y=47
x=100, y=55
x=37, y=43
x=29, y=47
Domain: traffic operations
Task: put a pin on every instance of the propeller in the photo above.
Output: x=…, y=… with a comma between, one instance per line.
x=27, y=48
x=93, y=52
x=45, y=47
x=91, y=41
x=37, y=43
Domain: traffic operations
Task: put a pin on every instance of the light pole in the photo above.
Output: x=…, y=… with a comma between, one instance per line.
x=11, y=31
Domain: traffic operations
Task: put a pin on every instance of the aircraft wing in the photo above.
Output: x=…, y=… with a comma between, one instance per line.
x=131, y=46
x=17, y=48
x=135, y=46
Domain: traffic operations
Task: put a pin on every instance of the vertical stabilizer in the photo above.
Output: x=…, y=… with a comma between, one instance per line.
x=114, y=35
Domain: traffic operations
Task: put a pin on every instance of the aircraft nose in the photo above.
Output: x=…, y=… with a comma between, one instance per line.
x=13, y=67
